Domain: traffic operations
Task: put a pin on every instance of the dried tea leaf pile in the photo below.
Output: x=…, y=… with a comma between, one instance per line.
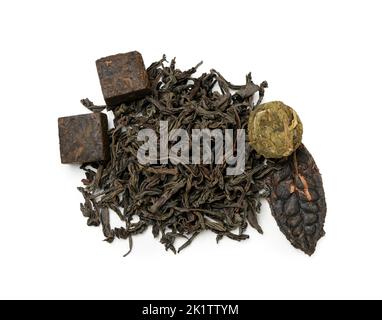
x=181, y=201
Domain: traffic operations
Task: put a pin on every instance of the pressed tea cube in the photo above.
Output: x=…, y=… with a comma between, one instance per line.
x=83, y=138
x=123, y=78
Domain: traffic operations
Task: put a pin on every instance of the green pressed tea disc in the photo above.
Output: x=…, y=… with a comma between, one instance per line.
x=274, y=130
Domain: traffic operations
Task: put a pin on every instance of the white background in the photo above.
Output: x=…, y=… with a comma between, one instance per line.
x=321, y=57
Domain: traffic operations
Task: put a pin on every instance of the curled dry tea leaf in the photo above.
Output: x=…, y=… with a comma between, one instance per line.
x=91, y=106
x=297, y=200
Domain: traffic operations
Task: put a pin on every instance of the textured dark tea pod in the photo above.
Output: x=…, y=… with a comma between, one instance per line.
x=297, y=200
x=274, y=129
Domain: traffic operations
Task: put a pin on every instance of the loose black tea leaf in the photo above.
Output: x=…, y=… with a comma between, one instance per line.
x=90, y=105
x=177, y=201
x=297, y=200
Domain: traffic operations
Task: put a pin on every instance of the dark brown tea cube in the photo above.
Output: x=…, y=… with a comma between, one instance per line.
x=123, y=78
x=83, y=138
